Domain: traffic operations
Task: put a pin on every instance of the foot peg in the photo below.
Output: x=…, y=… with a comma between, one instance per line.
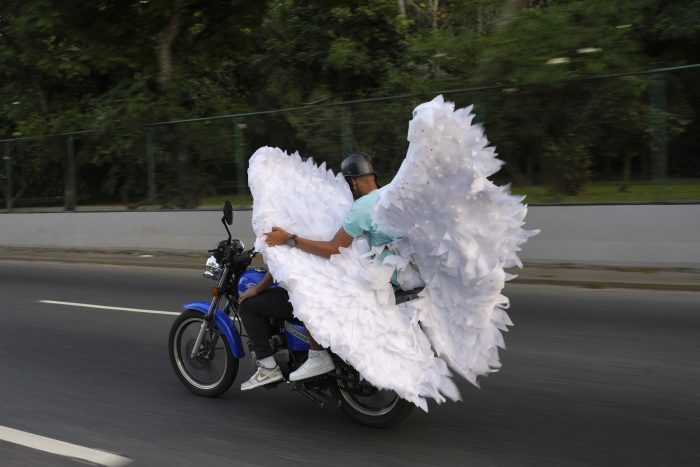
x=312, y=394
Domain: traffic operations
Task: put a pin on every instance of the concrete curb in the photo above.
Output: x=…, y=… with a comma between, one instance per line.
x=610, y=285
x=605, y=277
x=587, y=276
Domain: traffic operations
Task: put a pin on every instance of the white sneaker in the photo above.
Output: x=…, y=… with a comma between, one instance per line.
x=262, y=377
x=318, y=363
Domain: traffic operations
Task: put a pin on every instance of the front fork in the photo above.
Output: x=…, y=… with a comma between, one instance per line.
x=209, y=317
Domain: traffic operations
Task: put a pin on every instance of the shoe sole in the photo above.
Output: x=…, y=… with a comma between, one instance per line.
x=291, y=378
x=262, y=384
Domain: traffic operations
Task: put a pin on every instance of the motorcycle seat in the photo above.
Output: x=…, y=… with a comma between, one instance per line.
x=406, y=295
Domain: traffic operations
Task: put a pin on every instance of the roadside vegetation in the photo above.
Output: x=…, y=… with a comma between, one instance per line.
x=559, y=84
x=682, y=191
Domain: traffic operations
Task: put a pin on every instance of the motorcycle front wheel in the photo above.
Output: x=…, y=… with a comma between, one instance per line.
x=212, y=371
x=370, y=406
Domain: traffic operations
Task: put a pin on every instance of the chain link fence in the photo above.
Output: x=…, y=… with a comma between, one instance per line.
x=630, y=138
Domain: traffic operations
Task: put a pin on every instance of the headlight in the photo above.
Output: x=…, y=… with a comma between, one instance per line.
x=212, y=269
x=238, y=246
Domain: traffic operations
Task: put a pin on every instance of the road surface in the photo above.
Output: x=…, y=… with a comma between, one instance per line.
x=590, y=377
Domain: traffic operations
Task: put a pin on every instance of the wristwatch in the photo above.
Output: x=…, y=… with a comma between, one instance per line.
x=292, y=241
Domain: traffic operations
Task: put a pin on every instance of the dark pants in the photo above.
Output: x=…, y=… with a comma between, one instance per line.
x=255, y=313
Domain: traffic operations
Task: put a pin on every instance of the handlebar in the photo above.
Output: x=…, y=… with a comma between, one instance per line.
x=232, y=252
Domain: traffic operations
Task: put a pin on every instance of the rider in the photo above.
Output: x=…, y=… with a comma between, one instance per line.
x=256, y=305
x=359, y=173
x=261, y=302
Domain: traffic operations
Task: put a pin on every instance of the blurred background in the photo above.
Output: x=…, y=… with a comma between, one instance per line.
x=144, y=104
x=147, y=111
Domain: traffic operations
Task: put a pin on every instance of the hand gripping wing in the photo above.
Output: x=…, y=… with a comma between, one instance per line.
x=460, y=229
x=346, y=302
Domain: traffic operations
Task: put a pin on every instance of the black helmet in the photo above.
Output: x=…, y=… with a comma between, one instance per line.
x=357, y=164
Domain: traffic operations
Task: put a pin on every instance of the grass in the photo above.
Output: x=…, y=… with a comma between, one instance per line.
x=674, y=190
x=677, y=190
x=218, y=201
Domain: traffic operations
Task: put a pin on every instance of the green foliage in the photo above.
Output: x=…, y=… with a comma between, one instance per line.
x=671, y=30
x=566, y=166
x=588, y=37
x=675, y=190
x=100, y=65
x=611, y=119
x=311, y=51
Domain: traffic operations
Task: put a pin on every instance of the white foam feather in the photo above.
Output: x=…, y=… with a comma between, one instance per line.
x=346, y=302
x=461, y=230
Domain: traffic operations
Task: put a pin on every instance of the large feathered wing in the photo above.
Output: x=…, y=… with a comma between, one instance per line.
x=346, y=302
x=461, y=231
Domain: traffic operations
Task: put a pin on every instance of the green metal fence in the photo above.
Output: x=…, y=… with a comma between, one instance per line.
x=609, y=139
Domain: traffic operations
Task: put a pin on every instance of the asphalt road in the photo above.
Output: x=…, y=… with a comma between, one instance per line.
x=590, y=377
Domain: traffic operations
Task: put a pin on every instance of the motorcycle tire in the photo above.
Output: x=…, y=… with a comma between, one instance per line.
x=376, y=413
x=208, y=374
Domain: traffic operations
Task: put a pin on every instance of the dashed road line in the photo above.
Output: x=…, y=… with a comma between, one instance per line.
x=117, y=308
x=53, y=446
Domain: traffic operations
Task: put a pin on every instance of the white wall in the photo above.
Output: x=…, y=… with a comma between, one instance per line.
x=665, y=235
x=130, y=230
x=644, y=235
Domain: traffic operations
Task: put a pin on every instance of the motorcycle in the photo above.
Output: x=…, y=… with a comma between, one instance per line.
x=205, y=344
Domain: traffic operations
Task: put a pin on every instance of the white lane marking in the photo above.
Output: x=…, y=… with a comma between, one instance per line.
x=61, y=448
x=103, y=307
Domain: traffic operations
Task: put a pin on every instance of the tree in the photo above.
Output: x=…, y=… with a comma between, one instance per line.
x=99, y=64
x=324, y=53
x=603, y=121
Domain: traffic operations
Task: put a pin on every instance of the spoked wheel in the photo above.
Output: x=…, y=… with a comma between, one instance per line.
x=212, y=371
x=368, y=405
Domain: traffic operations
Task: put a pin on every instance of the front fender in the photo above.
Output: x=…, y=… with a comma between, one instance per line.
x=223, y=325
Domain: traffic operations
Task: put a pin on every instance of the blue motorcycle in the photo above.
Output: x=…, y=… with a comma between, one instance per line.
x=205, y=344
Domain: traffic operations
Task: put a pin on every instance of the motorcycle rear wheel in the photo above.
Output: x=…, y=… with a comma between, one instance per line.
x=213, y=370
x=376, y=408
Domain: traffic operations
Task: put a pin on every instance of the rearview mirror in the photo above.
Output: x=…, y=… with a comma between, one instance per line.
x=228, y=212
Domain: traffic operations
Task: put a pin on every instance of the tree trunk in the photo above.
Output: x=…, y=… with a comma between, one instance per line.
x=180, y=155
x=626, y=173
x=70, y=195
x=434, y=7
x=530, y=171
x=432, y=12
x=480, y=21
x=510, y=10
x=185, y=183
x=43, y=102
x=402, y=7
x=165, y=43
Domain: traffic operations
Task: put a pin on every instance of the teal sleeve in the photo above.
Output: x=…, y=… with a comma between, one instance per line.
x=358, y=220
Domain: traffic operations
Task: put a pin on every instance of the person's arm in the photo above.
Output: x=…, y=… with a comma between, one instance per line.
x=279, y=236
x=264, y=283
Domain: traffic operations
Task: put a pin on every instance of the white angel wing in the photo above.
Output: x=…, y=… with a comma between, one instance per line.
x=347, y=302
x=460, y=229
